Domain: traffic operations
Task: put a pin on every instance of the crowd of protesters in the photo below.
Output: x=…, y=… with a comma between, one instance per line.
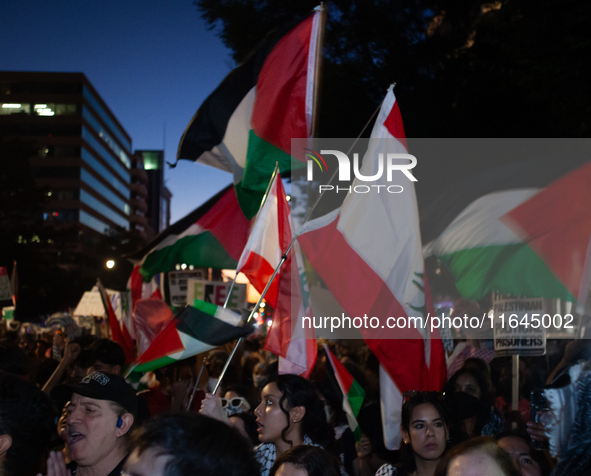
x=66, y=409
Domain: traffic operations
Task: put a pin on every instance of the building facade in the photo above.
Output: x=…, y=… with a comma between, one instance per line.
x=158, y=197
x=83, y=154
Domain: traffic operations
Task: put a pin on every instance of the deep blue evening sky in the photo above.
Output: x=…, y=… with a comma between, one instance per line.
x=152, y=61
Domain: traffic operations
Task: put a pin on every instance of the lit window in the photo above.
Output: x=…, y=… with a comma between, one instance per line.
x=13, y=108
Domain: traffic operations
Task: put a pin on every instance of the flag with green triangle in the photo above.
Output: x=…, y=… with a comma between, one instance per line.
x=198, y=328
x=353, y=393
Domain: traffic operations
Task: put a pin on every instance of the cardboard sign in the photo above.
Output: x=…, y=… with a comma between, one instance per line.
x=177, y=285
x=216, y=292
x=518, y=325
x=92, y=305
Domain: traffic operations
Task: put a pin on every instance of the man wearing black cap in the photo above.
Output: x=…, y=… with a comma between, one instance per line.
x=100, y=415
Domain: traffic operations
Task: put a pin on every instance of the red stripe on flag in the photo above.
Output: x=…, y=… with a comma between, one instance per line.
x=227, y=210
x=395, y=126
x=116, y=333
x=279, y=110
x=259, y=271
x=556, y=224
x=167, y=342
x=279, y=335
x=341, y=372
x=359, y=290
x=135, y=286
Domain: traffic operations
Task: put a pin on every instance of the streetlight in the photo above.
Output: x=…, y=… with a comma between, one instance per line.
x=110, y=264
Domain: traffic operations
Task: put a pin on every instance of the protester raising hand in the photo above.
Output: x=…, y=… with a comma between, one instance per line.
x=212, y=407
x=56, y=465
x=71, y=353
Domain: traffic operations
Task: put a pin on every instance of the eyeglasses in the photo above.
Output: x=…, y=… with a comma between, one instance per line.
x=235, y=402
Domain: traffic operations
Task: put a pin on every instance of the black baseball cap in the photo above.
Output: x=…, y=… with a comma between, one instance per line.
x=101, y=386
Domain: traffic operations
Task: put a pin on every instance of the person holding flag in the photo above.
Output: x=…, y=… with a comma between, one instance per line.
x=290, y=414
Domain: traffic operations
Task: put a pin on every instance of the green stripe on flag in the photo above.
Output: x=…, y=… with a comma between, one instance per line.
x=206, y=307
x=154, y=364
x=355, y=396
x=202, y=250
x=478, y=271
x=260, y=163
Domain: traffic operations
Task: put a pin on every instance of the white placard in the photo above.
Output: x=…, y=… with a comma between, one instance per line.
x=518, y=325
x=216, y=292
x=177, y=285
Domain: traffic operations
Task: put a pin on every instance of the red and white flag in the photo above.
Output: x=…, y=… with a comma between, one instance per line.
x=269, y=239
x=369, y=254
x=117, y=333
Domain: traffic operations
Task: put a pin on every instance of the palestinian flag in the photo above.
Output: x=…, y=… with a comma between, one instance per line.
x=521, y=229
x=212, y=236
x=353, y=394
x=199, y=328
x=246, y=125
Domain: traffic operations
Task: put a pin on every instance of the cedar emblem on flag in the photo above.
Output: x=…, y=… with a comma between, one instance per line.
x=368, y=253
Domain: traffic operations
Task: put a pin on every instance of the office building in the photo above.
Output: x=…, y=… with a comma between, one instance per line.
x=158, y=197
x=83, y=154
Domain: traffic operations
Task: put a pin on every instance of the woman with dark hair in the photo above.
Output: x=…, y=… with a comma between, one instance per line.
x=306, y=461
x=477, y=456
x=290, y=414
x=425, y=436
x=469, y=403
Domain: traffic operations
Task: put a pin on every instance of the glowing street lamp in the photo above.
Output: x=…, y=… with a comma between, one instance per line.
x=110, y=264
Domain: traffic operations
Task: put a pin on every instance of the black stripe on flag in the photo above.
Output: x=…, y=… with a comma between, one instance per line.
x=208, y=329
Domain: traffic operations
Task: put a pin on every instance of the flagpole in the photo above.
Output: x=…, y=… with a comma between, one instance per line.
x=275, y=172
x=197, y=381
x=307, y=217
x=283, y=258
x=105, y=306
x=257, y=305
x=318, y=68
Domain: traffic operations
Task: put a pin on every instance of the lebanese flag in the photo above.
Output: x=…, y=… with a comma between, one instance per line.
x=556, y=224
x=353, y=393
x=246, y=125
x=368, y=253
x=269, y=239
